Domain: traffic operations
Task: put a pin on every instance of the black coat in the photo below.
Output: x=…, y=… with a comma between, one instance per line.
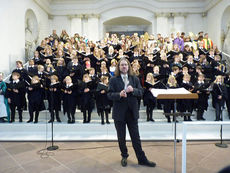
x=35, y=97
x=102, y=101
x=202, y=101
x=54, y=97
x=219, y=90
x=69, y=100
x=17, y=99
x=148, y=97
x=121, y=105
x=87, y=98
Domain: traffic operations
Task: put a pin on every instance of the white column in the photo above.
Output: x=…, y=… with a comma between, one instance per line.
x=162, y=23
x=179, y=21
x=93, y=27
x=76, y=24
x=153, y=24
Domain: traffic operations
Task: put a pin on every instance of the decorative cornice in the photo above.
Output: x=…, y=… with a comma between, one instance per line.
x=51, y=17
x=162, y=14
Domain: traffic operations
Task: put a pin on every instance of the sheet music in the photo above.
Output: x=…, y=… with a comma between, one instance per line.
x=156, y=92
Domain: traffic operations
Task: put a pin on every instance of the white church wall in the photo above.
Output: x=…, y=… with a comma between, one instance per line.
x=195, y=23
x=61, y=22
x=214, y=17
x=12, y=22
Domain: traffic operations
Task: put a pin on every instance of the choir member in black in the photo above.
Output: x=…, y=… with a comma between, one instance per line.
x=198, y=72
x=201, y=88
x=22, y=71
x=135, y=56
x=54, y=98
x=41, y=47
x=102, y=101
x=87, y=100
x=111, y=55
x=169, y=104
x=227, y=84
x=61, y=69
x=41, y=74
x=136, y=72
x=191, y=65
x=177, y=74
x=75, y=70
x=187, y=51
x=32, y=69
x=94, y=77
x=15, y=95
x=104, y=72
x=196, y=57
x=149, y=64
x=70, y=93
x=47, y=53
x=211, y=55
x=186, y=105
x=37, y=59
x=172, y=53
x=35, y=98
x=219, y=96
x=148, y=98
x=201, y=49
x=177, y=62
x=23, y=77
x=112, y=67
x=206, y=68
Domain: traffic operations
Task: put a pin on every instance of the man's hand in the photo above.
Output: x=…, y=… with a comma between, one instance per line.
x=15, y=90
x=123, y=93
x=129, y=89
x=86, y=90
x=220, y=97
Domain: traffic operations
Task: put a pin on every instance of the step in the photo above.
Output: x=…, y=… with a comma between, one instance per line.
x=97, y=132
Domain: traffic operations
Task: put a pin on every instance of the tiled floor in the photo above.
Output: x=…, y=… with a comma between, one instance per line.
x=104, y=157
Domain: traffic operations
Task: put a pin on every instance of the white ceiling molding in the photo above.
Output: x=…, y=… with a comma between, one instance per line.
x=71, y=7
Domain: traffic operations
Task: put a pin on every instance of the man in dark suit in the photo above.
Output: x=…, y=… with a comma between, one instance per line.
x=124, y=90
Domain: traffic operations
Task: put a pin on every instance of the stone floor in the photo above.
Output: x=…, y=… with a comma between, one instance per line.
x=104, y=157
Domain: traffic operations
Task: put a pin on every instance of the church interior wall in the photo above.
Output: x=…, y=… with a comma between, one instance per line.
x=12, y=22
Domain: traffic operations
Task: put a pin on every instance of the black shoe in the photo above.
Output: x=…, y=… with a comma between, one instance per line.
x=203, y=119
x=152, y=120
x=124, y=161
x=58, y=120
x=29, y=121
x=102, y=122
x=169, y=120
x=20, y=121
x=12, y=121
x=50, y=121
x=36, y=121
x=69, y=121
x=189, y=119
x=2, y=120
x=73, y=121
x=147, y=163
x=107, y=122
x=84, y=122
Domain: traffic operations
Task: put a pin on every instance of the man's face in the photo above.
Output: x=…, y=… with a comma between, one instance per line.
x=123, y=67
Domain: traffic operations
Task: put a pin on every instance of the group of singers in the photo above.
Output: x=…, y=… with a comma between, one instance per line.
x=74, y=72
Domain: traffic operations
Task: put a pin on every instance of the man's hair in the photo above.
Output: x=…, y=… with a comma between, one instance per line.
x=117, y=71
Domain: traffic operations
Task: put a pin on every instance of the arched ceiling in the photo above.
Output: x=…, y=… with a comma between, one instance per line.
x=126, y=20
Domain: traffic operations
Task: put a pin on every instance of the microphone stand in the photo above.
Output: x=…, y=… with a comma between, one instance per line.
x=221, y=144
x=52, y=147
